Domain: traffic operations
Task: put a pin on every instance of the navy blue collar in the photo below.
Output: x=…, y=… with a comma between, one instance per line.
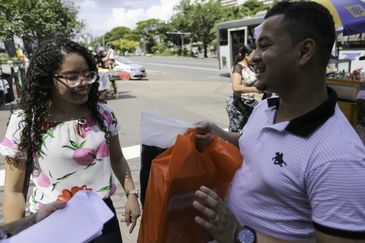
x=306, y=124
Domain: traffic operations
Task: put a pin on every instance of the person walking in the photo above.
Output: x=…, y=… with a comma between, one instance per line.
x=303, y=174
x=65, y=137
x=109, y=60
x=241, y=100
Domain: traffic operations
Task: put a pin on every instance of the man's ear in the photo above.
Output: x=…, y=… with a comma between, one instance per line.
x=307, y=50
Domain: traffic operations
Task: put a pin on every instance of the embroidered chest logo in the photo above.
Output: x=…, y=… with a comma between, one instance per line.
x=278, y=159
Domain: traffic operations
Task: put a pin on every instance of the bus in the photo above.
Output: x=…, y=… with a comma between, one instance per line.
x=231, y=35
x=348, y=52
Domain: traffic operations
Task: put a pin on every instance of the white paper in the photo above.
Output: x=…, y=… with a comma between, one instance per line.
x=161, y=131
x=80, y=221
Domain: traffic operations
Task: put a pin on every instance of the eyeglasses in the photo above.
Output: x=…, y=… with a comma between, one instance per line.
x=74, y=79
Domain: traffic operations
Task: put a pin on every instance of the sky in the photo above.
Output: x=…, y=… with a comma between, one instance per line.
x=100, y=16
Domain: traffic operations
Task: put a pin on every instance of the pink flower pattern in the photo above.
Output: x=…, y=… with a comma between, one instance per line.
x=66, y=156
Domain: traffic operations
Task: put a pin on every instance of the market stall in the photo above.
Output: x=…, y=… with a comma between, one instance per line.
x=349, y=18
x=346, y=92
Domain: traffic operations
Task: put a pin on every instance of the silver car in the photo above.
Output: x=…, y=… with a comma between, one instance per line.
x=135, y=71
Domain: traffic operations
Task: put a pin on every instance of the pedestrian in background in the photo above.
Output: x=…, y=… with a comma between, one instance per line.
x=110, y=59
x=110, y=56
x=100, y=56
x=241, y=100
x=65, y=137
x=303, y=174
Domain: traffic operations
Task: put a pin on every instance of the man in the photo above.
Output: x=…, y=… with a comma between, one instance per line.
x=15, y=227
x=303, y=175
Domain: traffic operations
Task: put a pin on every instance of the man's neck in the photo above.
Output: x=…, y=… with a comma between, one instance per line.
x=298, y=102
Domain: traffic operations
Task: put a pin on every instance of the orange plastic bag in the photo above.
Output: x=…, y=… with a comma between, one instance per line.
x=175, y=175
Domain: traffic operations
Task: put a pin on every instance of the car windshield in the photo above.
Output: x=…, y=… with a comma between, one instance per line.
x=123, y=60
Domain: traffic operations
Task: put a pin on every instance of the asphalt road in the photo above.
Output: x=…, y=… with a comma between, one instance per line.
x=188, y=89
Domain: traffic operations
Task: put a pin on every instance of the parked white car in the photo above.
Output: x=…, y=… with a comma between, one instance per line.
x=135, y=71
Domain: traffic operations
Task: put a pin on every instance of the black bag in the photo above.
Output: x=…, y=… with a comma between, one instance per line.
x=246, y=106
x=148, y=153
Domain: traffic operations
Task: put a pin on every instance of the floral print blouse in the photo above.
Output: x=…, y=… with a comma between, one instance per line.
x=74, y=155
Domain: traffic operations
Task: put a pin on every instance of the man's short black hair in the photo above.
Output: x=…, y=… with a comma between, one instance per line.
x=308, y=20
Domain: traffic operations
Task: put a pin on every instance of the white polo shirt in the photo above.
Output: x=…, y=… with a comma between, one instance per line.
x=301, y=175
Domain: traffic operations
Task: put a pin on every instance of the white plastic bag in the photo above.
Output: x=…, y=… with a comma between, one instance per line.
x=161, y=131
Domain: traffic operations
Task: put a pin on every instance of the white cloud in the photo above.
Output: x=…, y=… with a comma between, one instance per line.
x=110, y=3
x=86, y=3
x=107, y=18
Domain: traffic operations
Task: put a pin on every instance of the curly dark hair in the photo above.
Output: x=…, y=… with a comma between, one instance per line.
x=36, y=96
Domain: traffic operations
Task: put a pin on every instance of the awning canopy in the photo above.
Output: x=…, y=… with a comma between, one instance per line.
x=349, y=15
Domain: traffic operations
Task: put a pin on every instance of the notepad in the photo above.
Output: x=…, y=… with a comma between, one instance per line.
x=80, y=221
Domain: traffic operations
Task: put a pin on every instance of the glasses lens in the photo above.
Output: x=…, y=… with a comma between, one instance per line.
x=90, y=77
x=73, y=77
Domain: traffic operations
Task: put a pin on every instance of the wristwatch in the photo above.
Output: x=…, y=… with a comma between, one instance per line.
x=245, y=235
x=133, y=191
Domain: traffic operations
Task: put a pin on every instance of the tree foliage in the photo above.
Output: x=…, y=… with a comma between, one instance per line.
x=124, y=45
x=116, y=33
x=36, y=20
x=197, y=17
x=152, y=31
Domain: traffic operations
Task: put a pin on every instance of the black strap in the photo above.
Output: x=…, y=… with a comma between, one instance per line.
x=27, y=178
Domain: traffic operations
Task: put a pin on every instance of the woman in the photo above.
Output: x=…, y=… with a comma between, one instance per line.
x=241, y=101
x=65, y=136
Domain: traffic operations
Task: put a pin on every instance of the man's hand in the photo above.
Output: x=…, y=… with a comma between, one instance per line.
x=202, y=140
x=212, y=128
x=218, y=220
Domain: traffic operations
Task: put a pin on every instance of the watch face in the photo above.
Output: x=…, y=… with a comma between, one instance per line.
x=246, y=236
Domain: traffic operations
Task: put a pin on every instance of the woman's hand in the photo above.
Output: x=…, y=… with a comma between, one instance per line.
x=132, y=211
x=217, y=219
x=46, y=210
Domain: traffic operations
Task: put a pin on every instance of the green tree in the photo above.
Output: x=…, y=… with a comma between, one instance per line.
x=117, y=33
x=199, y=18
x=124, y=45
x=36, y=20
x=251, y=7
x=152, y=31
x=132, y=35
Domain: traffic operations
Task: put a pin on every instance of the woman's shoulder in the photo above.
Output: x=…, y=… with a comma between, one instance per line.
x=238, y=65
x=103, y=106
x=105, y=109
x=237, y=68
